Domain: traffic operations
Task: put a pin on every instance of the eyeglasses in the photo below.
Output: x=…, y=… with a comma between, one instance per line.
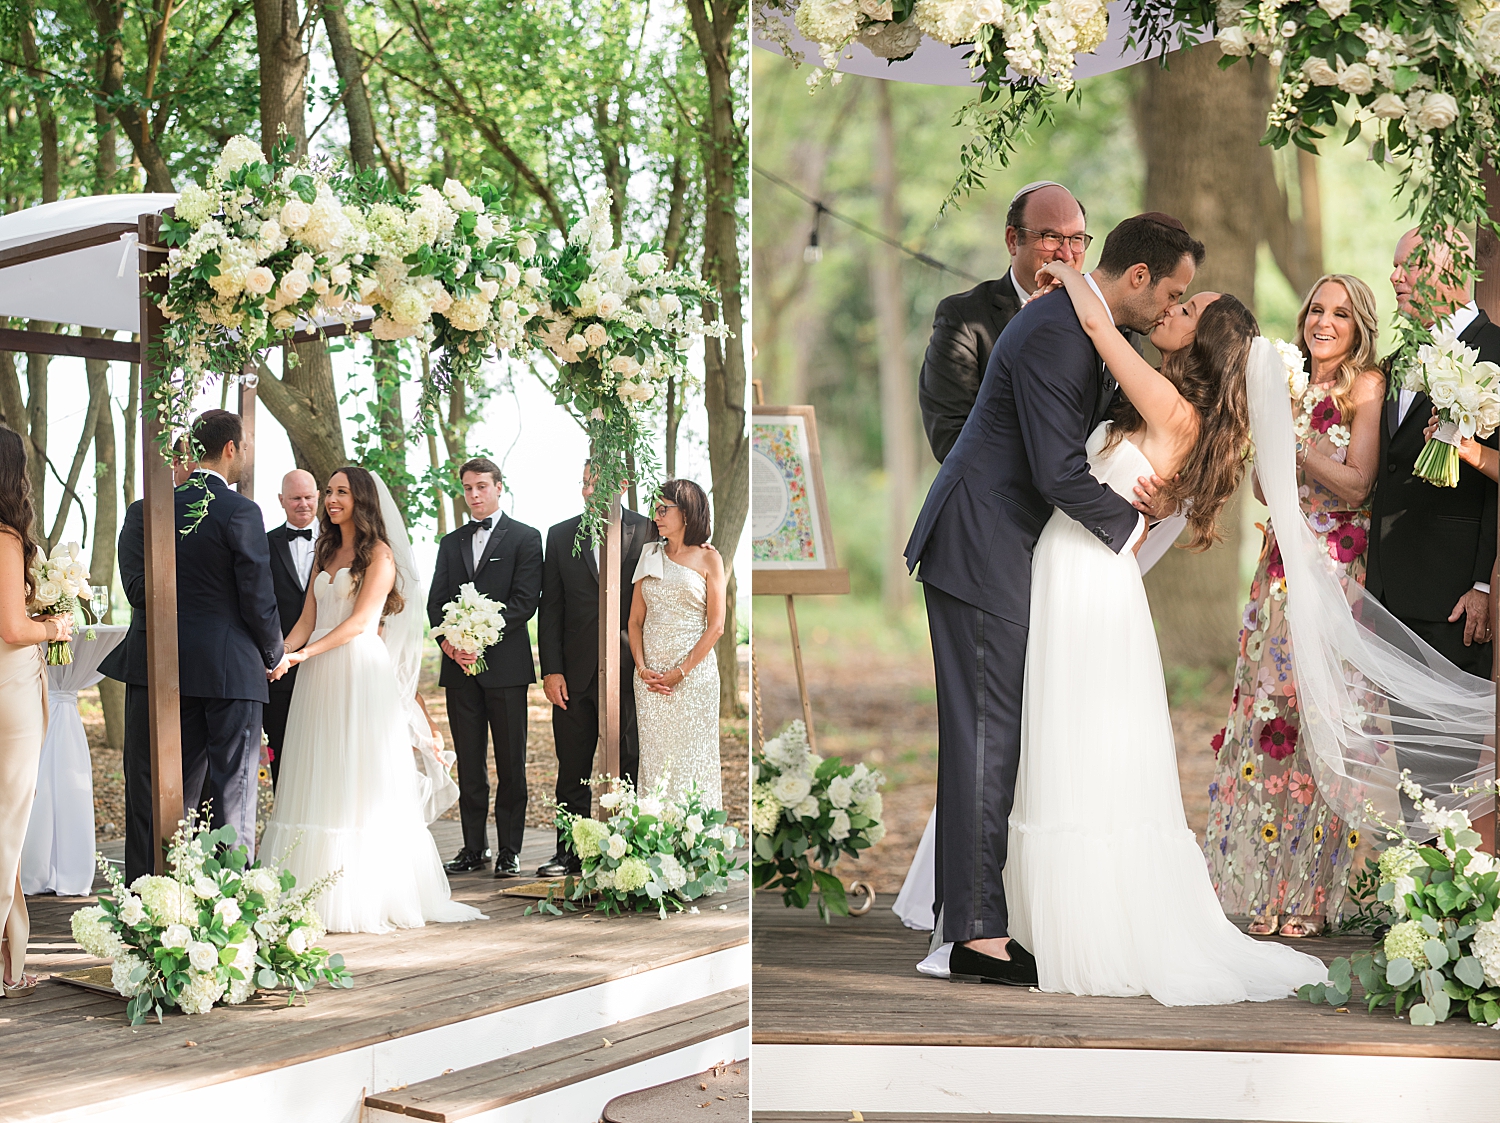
x=663, y=507
x=1050, y=240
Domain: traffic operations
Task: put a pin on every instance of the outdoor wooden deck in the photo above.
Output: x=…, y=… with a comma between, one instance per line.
x=425, y=1001
x=847, y=998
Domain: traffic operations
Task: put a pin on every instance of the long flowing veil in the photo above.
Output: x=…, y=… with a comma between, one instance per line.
x=403, y=636
x=1374, y=699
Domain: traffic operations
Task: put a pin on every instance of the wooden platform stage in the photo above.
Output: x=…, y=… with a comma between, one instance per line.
x=843, y=1022
x=525, y=1006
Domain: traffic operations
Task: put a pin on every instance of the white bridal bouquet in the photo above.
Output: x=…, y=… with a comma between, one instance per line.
x=213, y=930
x=60, y=580
x=801, y=805
x=652, y=852
x=471, y=623
x=1466, y=393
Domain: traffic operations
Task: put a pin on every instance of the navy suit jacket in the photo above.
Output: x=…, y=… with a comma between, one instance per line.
x=511, y=573
x=228, y=626
x=1021, y=454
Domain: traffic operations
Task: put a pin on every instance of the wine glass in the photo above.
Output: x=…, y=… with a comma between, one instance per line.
x=99, y=601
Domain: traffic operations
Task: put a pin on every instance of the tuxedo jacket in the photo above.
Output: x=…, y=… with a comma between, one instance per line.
x=127, y=662
x=1020, y=454
x=568, y=626
x=291, y=594
x=510, y=572
x=964, y=330
x=1429, y=545
x=228, y=627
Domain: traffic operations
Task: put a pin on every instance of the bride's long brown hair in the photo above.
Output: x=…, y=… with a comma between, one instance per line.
x=1210, y=374
x=16, y=514
x=369, y=528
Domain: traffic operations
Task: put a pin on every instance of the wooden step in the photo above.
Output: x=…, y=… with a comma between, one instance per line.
x=961, y=1117
x=534, y=1072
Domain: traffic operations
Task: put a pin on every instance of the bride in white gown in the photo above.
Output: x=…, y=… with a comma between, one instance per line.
x=350, y=796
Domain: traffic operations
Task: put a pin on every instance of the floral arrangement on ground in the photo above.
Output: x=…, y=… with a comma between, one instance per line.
x=1440, y=957
x=213, y=930
x=807, y=812
x=651, y=853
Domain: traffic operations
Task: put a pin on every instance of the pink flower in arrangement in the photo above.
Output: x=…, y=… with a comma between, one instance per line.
x=1217, y=741
x=1276, y=783
x=1348, y=542
x=1274, y=568
x=1278, y=740
x=1302, y=787
x=1325, y=415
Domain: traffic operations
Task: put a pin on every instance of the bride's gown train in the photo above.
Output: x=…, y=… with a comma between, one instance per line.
x=350, y=796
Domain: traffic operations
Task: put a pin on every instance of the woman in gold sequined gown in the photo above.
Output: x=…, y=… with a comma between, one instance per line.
x=23, y=701
x=676, y=617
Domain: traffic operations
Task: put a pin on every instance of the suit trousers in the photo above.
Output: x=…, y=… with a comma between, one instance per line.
x=475, y=713
x=140, y=844
x=275, y=721
x=575, y=732
x=980, y=663
x=220, y=760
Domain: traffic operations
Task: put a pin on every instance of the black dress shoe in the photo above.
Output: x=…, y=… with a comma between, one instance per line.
x=560, y=865
x=507, y=865
x=467, y=861
x=965, y=965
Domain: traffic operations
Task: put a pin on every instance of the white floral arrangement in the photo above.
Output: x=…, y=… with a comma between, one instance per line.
x=1440, y=957
x=802, y=804
x=62, y=581
x=1317, y=410
x=651, y=853
x=212, y=930
x=1466, y=393
x=471, y=623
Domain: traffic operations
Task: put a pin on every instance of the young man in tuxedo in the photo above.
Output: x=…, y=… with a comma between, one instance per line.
x=1044, y=223
x=291, y=546
x=229, y=636
x=503, y=559
x=568, y=639
x=127, y=664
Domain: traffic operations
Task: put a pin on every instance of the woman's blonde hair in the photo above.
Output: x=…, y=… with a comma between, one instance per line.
x=1362, y=355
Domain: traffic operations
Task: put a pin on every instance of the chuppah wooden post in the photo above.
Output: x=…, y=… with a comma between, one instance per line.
x=159, y=509
x=609, y=645
x=246, y=486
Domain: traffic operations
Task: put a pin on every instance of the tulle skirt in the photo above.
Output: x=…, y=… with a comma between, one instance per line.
x=349, y=798
x=1105, y=880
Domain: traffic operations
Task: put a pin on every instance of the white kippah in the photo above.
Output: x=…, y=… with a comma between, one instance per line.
x=1037, y=186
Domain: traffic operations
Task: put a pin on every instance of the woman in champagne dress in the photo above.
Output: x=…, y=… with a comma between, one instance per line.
x=676, y=617
x=23, y=701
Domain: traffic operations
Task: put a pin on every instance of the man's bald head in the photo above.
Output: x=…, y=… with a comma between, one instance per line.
x=1406, y=275
x=1035, y=221
x=299, y=498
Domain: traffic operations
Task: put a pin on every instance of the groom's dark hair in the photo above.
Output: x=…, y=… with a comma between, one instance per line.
x=1157, y=241
x=214, y=429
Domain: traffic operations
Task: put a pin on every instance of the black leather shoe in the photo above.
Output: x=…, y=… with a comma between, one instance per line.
x=559, y=865
x=507, y=865
x=467, y=861
x=965, y=965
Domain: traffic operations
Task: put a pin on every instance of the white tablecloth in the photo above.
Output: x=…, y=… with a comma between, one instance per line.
x=59, y=852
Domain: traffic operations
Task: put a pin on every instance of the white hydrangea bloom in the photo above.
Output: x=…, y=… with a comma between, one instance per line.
x=200, y=994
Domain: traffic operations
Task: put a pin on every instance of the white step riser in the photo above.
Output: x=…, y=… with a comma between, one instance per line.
x=332, y=1089
x=584, y=1102
x=1133, y=1083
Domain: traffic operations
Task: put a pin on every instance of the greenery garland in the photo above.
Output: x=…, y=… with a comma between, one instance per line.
x=265, y=245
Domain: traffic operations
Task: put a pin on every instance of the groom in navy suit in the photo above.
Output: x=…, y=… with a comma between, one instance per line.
x=1020, y=456
x=228, y=629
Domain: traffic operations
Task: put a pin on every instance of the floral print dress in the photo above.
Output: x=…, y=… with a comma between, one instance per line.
x=1274, y=846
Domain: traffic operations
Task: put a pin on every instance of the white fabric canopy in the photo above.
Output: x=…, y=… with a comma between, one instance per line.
x=938, y=64
x=95, y=287
x=58, y=856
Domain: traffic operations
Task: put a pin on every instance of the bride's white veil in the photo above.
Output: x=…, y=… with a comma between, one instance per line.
x=1374, y=698
x=403, y=634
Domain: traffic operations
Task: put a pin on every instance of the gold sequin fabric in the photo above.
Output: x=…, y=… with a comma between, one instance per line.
x=679, y=732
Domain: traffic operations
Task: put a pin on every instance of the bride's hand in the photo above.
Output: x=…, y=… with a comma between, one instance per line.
x=1051, y=276
x=295, y=657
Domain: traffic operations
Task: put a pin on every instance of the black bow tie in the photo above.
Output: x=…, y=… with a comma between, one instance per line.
x=305, y=532
x=485, y=522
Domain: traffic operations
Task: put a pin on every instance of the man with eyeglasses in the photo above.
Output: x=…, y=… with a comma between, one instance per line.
x=1044, y=223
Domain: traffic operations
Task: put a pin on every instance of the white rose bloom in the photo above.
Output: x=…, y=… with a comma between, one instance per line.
x=615, y=846
x=293, y=285
x=1336, y=9
x=203, y=955
x=296, y=941
x=1319, y=73
x=294, y=214
x=670, y=304
x=512, y=274
x=610, y=800
x=228, y=910
x=841, y=791
x=649, y=264
x=1388, y=106
x=533, y=277
x=205, y=887
x=596, y=335
x=609, y=305
x=1403, y=885
x=48, y=593
x=176, y=936
x=1356, y=79
x=650, y=805
x=809, y=808
x=526, y=247
x=695, y=823
x=614, y=259
x=283, y=320
x=1437, y=111
x=259, y=280
x=838, y=830
x=132, y=912
x=1233, y=41
x=791, y=788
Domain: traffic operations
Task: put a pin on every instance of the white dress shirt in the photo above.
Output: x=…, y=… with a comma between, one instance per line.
x=302, y=552
x=482, y=538
x=1141, y=524
x=1021, y=290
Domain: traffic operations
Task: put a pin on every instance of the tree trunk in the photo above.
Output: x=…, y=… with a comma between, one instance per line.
x=677, y=220
x=346, y=62
x=897, y=417
x=132, y=403
x=106, y=524
x=109, y=24
x=717, y=29
x=1200, y=130
x=455, y=437
x=133, y=118
x=46, y=115
x=36, y=431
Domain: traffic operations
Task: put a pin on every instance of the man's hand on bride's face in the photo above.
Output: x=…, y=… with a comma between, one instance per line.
x=1151, y=497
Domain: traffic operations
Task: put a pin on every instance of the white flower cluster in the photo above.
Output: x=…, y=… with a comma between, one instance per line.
x=787, y=786
x=471, y=623
x=1465, y=390
x=1296, y=367
x=61, y=579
